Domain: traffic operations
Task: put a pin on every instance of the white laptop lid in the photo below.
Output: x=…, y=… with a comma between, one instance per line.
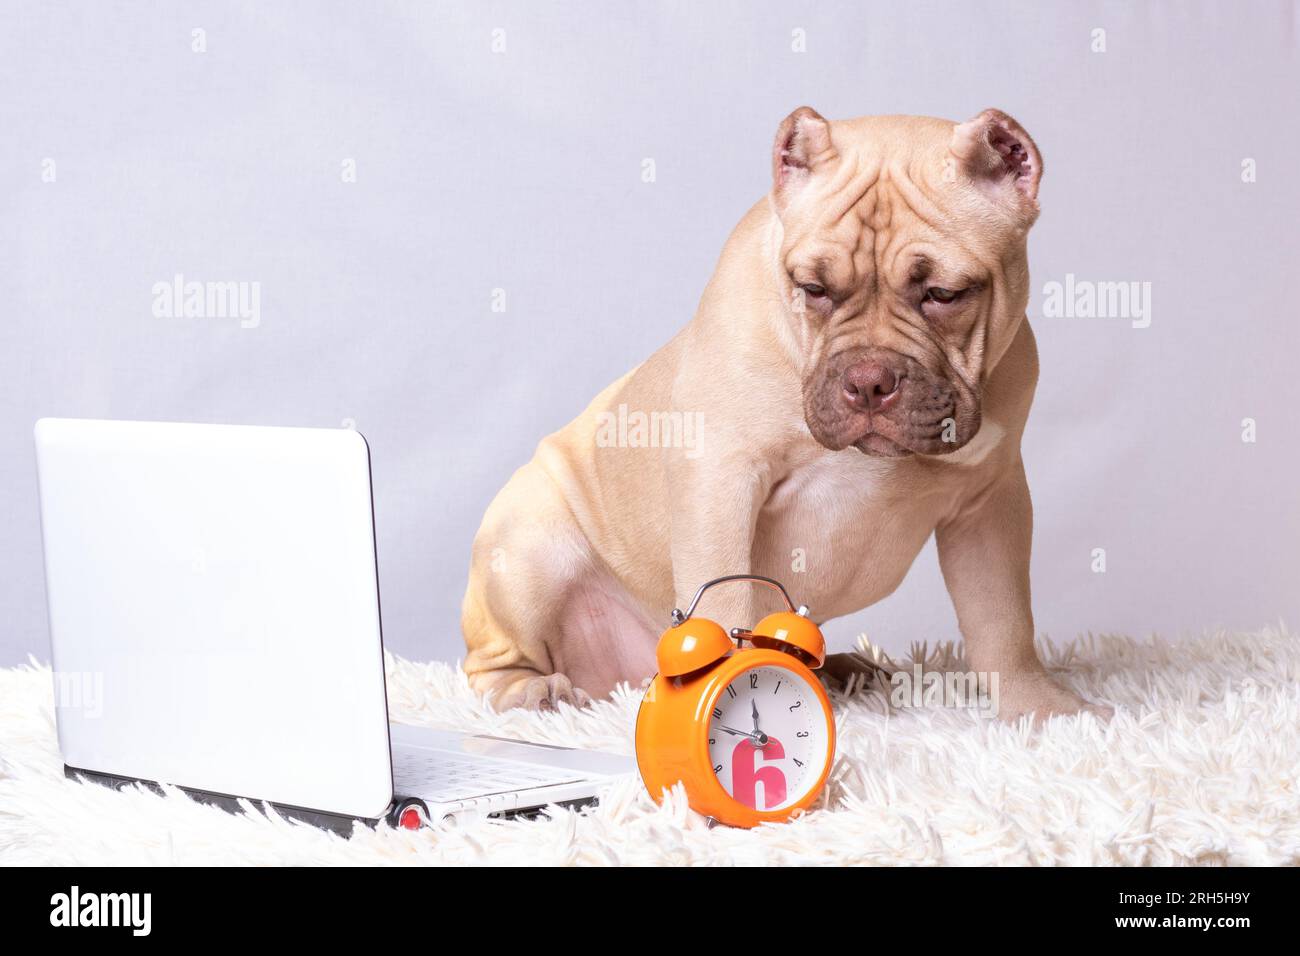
x=214, y=609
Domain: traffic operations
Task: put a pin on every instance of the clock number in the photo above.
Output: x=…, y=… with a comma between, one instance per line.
x=796, y=705
x=718, y=769
x=750, y=766
x=777, y=687
x=712, y=741
x=798, y=761
x=732, y=691
x=717, y=713
x=802, y=733
x=753, y=680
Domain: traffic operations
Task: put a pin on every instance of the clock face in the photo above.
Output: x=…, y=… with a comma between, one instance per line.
x=768, y=738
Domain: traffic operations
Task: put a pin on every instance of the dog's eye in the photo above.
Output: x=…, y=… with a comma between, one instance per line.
x=813, y=290
x=942, y=296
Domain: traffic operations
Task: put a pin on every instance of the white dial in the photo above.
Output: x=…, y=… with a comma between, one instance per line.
x=768, y=738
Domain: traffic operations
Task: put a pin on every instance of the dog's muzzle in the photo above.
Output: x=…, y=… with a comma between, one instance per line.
x=887, y=404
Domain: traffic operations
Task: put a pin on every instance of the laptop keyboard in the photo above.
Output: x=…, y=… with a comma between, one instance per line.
x=443, y=776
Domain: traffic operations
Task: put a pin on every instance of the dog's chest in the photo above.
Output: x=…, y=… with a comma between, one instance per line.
x=842, y=530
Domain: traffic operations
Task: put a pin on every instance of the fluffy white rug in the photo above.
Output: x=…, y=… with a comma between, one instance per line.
x=1201, y=765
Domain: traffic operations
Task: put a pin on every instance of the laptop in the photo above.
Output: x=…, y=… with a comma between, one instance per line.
x=215, y=625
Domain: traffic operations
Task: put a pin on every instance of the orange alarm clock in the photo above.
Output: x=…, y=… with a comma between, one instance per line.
x=748, y=731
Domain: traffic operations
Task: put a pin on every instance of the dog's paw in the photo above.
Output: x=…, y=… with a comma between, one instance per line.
x=543, y=693
x=850, y=673
x=1039, y=697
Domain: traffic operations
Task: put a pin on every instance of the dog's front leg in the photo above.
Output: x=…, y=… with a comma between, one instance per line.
x=713, y=515
x=984, y=554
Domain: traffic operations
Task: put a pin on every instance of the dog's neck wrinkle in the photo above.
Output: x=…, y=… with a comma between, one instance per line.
x=794, y=338
x=990, y=351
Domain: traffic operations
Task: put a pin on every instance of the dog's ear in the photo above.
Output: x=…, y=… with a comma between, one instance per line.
x=803, y=142
x=995, y=153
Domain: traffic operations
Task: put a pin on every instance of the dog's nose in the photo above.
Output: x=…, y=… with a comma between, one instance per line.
x=869, y=386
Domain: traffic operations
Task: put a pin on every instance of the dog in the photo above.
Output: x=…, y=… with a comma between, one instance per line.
x=858, y=375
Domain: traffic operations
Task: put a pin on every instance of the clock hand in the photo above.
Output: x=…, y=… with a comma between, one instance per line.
x=759, y=738
x=754, y=704
x=734, y=732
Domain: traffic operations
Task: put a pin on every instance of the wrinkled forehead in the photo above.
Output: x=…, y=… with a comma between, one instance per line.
x=891, y=202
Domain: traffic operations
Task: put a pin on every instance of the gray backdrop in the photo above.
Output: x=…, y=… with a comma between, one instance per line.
x=130, y=157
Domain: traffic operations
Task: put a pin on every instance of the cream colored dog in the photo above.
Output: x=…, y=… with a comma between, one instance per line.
x=857, y=378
